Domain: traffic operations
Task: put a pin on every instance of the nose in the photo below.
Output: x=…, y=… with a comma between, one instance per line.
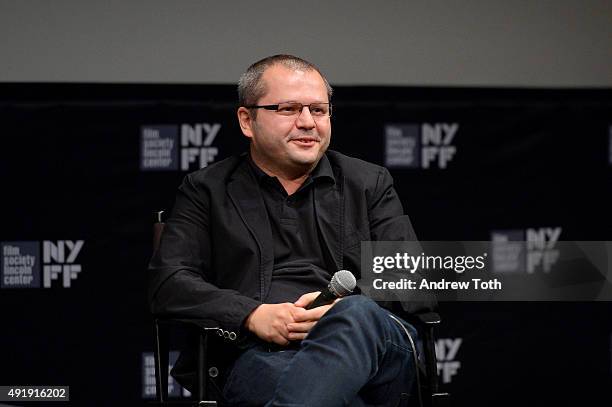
x=305, y=119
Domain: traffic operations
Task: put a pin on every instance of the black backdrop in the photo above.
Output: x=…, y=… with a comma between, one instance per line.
x=72, y=169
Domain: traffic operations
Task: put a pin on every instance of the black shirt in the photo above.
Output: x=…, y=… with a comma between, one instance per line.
x=299, y=265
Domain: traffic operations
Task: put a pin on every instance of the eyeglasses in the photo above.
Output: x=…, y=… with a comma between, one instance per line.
x=294, y=108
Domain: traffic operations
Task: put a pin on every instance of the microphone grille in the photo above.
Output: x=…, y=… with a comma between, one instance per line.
x=343, y=283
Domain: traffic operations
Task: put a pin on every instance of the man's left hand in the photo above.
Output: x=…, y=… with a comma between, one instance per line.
x=306, y=319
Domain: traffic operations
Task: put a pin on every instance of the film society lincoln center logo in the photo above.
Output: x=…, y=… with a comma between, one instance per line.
x=420, y=145
x=172, y=147
x=175, y=390
x=610, y=144
x=22, y=265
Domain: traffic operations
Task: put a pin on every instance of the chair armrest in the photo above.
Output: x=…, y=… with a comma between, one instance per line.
x=429, y=318
x=428, y=321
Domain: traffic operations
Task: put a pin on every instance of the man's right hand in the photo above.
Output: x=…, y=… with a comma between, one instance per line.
x=269, y=322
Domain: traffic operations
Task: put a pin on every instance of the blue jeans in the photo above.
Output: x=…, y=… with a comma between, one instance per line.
x=356, y=355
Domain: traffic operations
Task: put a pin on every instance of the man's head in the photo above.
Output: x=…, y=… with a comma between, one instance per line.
x=286, y=142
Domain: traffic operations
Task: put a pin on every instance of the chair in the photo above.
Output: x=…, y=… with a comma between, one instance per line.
x=161, y=329
x=427, y=386
x=428, y=389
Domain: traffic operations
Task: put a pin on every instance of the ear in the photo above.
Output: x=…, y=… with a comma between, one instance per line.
x=246, y=121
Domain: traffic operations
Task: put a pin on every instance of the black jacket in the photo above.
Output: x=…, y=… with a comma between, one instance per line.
x=215, y=259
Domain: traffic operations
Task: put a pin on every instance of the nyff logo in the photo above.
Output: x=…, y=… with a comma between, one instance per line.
x=541, y=250
x=59, y=260
x=446, y=354
x=171, y=147
x=437, y=148
x=610, y=144
x=427, y=145
x=196, y=143
x=527, y=250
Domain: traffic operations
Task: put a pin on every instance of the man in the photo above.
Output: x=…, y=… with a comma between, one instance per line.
x=253, y=239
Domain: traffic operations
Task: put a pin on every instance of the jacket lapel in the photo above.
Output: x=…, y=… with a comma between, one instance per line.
x=243, y=191
x=329, y=211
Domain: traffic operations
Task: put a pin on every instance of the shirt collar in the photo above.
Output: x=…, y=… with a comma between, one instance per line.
x=323, y=169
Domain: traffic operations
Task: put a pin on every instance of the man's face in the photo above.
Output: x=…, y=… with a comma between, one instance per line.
x=288, y=144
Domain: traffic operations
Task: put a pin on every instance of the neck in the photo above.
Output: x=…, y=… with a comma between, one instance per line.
x=290, y=178
x=292, y=185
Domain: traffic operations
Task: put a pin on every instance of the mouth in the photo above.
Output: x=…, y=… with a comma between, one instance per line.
x=305, y=141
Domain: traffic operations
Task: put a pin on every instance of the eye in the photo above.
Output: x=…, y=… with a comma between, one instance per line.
x=289, y=108
x=317, y=111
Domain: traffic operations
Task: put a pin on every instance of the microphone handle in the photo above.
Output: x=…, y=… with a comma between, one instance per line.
x=326, y=297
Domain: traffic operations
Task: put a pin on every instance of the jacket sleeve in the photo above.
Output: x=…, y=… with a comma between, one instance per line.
x=180, y=271
x=389, y=223
x=386, y=214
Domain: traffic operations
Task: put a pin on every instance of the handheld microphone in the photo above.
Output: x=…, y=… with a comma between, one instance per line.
x=342, y=283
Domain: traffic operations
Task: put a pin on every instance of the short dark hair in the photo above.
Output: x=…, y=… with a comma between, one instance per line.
x=251, y=88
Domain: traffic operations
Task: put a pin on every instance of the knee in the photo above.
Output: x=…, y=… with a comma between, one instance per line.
x=359, y=301
x=364, y=312
x=360, y=307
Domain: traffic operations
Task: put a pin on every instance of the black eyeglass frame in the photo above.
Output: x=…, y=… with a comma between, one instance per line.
x=274, y=108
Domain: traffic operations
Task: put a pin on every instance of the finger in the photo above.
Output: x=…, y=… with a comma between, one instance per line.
x=306, y=299
x=280, y=340
x=312, y=314
x=297, y=336
x=300, y=327
x=282, y=330
x=281, y=334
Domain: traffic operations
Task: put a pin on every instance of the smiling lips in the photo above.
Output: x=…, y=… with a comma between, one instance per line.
x=305, y=141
